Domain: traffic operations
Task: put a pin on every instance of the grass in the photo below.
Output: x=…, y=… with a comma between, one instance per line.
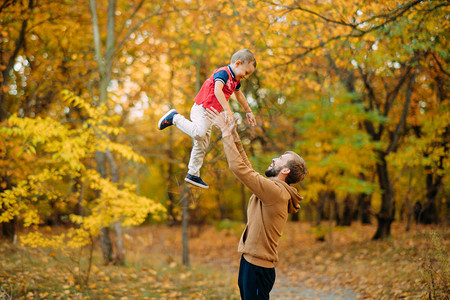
x=396, y=268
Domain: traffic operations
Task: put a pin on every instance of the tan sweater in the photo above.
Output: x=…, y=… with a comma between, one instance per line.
x=267, y=210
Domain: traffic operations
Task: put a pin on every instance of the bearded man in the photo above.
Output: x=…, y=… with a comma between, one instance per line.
x=268, y=207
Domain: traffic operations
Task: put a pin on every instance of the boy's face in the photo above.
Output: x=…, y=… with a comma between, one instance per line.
x=243, y=70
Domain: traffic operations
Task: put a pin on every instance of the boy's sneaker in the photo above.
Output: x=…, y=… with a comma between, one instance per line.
x=196, y=180
x=167, y=119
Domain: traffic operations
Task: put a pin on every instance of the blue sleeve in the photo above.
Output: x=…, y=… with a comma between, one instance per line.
x=222, y=76
x=238, y=86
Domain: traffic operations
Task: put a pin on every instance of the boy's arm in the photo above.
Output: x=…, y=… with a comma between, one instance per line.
x=218, y=86
x=243, y=102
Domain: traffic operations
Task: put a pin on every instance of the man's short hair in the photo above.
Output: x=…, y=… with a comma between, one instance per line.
x=297, y=166
x=244, y=55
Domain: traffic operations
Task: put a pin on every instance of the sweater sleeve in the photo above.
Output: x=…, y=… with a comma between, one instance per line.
x=240, y=148
x=265, y=189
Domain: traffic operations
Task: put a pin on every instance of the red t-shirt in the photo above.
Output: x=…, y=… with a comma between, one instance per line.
x=206, y=96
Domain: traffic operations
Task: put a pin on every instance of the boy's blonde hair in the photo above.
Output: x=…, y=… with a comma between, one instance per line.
x=244, y=55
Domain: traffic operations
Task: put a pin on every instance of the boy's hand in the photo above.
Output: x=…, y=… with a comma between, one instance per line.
x=251, y=118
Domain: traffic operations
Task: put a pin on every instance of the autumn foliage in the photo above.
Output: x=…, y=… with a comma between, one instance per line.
x=358, y=88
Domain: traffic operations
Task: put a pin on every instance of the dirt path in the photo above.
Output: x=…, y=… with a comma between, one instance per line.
x=286, y=289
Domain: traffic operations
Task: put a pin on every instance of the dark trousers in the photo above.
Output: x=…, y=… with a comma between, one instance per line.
x=255, y=282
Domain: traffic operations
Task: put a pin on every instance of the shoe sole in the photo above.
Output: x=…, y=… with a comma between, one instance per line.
x=196, y=184
x=163, y=117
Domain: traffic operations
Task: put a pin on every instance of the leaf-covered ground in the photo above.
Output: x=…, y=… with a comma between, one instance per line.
x=350, y=267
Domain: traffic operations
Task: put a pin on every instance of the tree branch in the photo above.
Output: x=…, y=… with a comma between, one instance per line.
x=136, y=9
x=97, y=41
x=139, y=24
x=390, y=97
x=401, y=123
x=389, y=17
x=110, y=38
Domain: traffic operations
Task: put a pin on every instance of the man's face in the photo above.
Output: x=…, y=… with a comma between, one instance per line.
x=277, y=165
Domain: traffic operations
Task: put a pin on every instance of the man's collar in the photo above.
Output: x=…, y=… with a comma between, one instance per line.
x=231, y=71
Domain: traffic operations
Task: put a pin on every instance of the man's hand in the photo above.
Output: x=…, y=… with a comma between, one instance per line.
x=229, y=115
x=251, y=118
x=221, y=121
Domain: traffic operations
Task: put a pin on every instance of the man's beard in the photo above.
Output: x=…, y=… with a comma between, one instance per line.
x=273, y=172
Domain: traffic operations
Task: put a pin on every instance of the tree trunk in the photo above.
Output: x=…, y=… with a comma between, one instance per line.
x=408, y=207
x=387, y=211
x=106, y=246
x=185, y=225
x=243, y=204
x=347, y=213
x=319, y=206
x=364, y=209
x=331, y=211
x=8, y=229
x=119, y=259
x=429, y=214
x=105, y=239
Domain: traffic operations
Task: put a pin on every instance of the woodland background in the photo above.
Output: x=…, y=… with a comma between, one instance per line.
x=358, y=88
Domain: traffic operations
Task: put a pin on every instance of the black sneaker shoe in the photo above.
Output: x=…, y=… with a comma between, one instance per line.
x=167, y=119
x=196, y=180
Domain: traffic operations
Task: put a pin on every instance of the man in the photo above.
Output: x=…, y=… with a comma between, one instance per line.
x=273, y=198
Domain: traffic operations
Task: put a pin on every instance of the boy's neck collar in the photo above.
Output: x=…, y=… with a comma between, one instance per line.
x=231, y=71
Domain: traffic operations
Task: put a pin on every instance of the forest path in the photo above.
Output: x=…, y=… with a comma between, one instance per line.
x=287, y=288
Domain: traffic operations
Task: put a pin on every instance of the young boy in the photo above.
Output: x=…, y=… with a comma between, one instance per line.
x=215, y=92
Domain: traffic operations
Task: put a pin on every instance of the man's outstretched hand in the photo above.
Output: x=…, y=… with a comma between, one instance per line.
x=221, y=121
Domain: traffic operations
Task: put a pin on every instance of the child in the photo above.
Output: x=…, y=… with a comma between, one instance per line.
x=215, y=92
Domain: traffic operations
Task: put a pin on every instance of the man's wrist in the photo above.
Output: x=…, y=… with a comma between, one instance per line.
x=226, y=132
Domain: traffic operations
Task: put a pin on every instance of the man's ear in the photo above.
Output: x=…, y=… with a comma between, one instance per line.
x=285, y=171
x=238, y=62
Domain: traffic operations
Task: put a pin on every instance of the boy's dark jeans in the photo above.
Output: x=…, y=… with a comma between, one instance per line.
x=255, y=282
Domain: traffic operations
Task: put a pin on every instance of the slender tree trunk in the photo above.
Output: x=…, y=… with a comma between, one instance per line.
x=185, y=225
x=331, y=212
x=120, y=251
x=243, y=204
x=221, y=203
x=105, y=239
x=170, y=154
x=387, y=212
x=105, y=63
x=319, y=206
x=295, y=217
x=408, y=206
x=347, y=213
